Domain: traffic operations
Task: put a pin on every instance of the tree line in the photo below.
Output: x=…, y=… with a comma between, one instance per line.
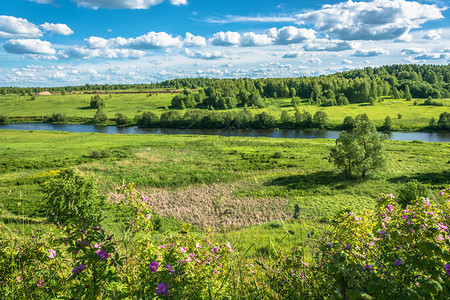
x=356, y=86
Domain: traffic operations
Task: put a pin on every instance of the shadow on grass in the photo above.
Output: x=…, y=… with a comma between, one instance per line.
x=442, y=178
x=315, y=180
x=86, y=108
x=19, y=220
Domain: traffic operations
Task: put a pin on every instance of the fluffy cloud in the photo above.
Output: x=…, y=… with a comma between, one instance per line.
x=96, y=42
x=150, y=40
x=228, y=38
x=370, y=53
x=283, y=36
x=12, y=27
x=57, y=28
x=249, y=39
x=330, y=45
x=291, y=35
x=375, y=20
x=432, y=35
x=412, y=51
x=178, y=2
x=86, y=53
x=29, y=46
x=208, y=55
x=124, y=4
x=291, y=55
x=432, y=56
x=194, y=41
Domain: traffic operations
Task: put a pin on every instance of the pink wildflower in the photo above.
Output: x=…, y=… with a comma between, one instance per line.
x=390, y=208
x=183, y=249
x=229, y=246
x=51, y=253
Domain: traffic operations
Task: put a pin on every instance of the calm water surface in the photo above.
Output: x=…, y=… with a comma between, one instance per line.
x=443, y=137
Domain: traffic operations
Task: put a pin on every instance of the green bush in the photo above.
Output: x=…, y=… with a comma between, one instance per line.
x=411, y=191
x=72, y=196
x=4, y=120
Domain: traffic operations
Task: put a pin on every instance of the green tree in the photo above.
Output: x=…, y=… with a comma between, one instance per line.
x=72, y=196
x=121, y=119
x=407, y=93
x=361, y=151
x=320, y=119
x=97, y=102
x=387, y=124
x=348, y=123
x=100, y=117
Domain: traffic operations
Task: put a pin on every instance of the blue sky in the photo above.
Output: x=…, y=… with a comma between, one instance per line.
x=74, y=42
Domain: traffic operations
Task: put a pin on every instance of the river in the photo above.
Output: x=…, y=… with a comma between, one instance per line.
x=442, y=137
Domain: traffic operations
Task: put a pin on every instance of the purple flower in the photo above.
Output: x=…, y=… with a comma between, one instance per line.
x=19, y=279
x=442, y=227
x=40, y=282
x=229, y=246
x=183, y=249
x=144, y=198
x=51, y=253
x=330, y=245
x=153, y=266
x=215, y=249
x=102, y=254
x=368, y=267
x=447, y=269
x=162, y=289
x=390, y=208
x=78, y=269
x=398, y=262
x=170, y=269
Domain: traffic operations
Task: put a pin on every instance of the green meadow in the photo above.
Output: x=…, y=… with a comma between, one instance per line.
x=244, y=188
x=413, y=117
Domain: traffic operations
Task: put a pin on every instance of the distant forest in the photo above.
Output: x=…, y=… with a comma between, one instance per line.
x=356, y=86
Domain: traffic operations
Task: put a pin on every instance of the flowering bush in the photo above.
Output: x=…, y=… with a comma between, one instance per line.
x=390, y=252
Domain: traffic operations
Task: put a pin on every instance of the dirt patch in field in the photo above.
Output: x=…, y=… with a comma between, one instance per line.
x=214, y=206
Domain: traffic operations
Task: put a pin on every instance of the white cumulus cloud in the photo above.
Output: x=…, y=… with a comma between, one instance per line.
x=208, y=55
x=29, y=46
x=330, y=45
x=432, y=35
x=373, y=20
x=12, y=27
x=194, y=40
x=62, y=29
x=228, y=38
x=412, y=51
x=370, y=53
x=291, y=35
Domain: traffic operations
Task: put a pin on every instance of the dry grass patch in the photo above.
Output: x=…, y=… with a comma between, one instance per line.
x=213, y=206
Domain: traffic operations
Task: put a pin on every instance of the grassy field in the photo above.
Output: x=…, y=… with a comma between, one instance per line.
x=246, y=188
x=77, y=105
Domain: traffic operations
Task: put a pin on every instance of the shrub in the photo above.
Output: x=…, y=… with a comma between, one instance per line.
x=411, y=191
x=121, y=119
x=4, y=120
x=389, y=253
x=56, y=118
x=72, y=196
